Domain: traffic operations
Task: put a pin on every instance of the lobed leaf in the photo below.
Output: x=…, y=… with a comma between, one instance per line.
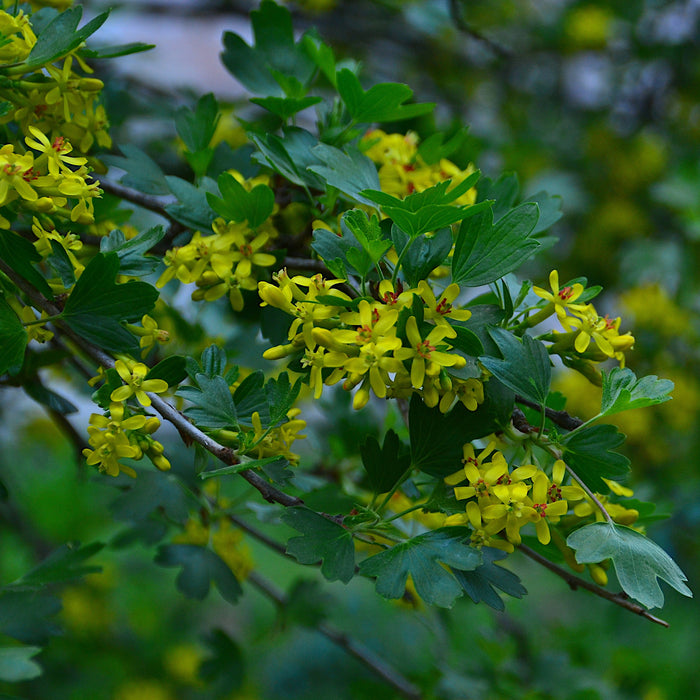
x=638, y=561
x=525, y=367
x=485, y=252
x=323, y=540
x=423, y=557
x=622, y=391
x=589, y=452
x=200, y=568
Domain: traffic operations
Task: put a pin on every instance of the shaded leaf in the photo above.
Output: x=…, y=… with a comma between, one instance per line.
x=349, y=170
x=385, y=465
x=213, y=405
x=97, y=305
x=238, y=204
x=200, y=568
x=132, y=252
x=481, y=583
x=525, y=367
x=589, y=452
x=13, y=339
x=191, y=209
x=142, y=172
x=323, y=540
x=196, y=127
x=19, y=254
x=225, y=668
x=63, y=564
x=422, y=557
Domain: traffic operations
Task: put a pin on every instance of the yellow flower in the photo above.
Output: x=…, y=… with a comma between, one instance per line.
x=439, y=309
x=423, y=353
x=560, y=299
x=136, y=383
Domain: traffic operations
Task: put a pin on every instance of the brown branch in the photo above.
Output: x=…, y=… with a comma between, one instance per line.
x=575, y=582
x=560, y=418
x=186, y=429
x=347, y=643
x=142, y=200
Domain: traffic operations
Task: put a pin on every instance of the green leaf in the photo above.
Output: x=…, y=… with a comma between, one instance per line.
x=200, y=568
x=322, y=540
x=349, y=170
x=62, y=264
x=13, y=339
x=550, y=210
x=383, y=102
x=307, y=603
x=485, y=252
x=622, y=391
x=213, y=405
x=132, y=253
x=213, y=361
x=503, y=191
x=275, y=461
x=467, y=341
x=191, y=209
x=19, y=254
x=385, y=465
x=153, y=491
x=16, y=664
x=368, y=232
x=63, y=564
x=61, y=36
x=196, y=127
x=225, y=668
x=321, y=54
x=437, y=438
x=97, y=304
x=422, y=557
x=46, y=397
x=286, y=107
x=525, y=367
x=434, y=148
x=250, y=397
x=23, y=616
x=425, y=254
x=638, y=561
x=588, y=451
x=481, y=583
x=238, y=204
x=116, y=50
x=274, y=58
x=142, y=172
x=290, y=156
x=171, y=369
x=336, y=248
x=281, y=395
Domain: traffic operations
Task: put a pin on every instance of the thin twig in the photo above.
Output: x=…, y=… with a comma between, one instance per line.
x=347, y=643
x=575, y=582
x=560, y=418
x=143, y=200
x=463, y=26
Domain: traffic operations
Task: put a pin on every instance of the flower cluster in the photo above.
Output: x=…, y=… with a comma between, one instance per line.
x=374, y=344
x=500, y=502
x=402, y=169
x=261, y=442
x=121, y=434
x=591, y=336
x=224, y=263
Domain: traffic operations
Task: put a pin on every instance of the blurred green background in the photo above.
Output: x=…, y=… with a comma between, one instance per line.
x=596, y=101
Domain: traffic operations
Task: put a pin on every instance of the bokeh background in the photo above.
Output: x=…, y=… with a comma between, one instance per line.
x=598, y=102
